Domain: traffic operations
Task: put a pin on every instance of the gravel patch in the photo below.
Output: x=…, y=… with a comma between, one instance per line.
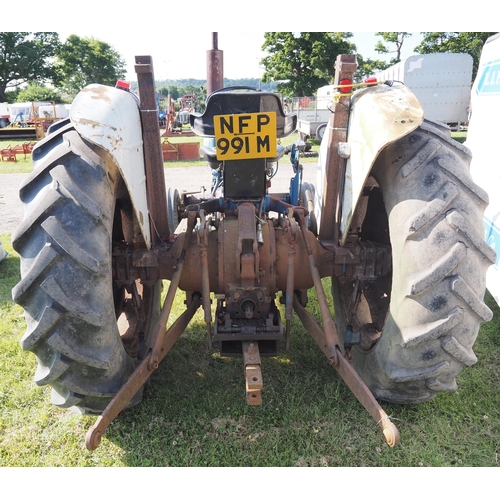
x=190, y=179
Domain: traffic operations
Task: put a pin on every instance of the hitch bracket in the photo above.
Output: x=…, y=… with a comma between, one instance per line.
x=253, y=374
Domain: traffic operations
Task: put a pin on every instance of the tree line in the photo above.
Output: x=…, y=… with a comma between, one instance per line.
x=187, y=86
x=36, y=66
x=305, y=61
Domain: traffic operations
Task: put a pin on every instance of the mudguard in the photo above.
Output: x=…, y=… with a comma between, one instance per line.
x=378, y=116
x=110, y=118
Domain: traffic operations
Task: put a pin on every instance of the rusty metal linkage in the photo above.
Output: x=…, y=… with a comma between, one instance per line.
x=157, y=341
x=290, y=278
x=202, y=235
x=160, y=344
x=328, y=341
x=349, y=375
x=332, y=338
x=138, y=378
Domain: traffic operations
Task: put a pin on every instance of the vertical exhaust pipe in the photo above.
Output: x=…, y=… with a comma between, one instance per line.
x=215, y=66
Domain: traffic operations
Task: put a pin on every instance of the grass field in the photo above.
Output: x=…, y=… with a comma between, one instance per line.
x=194, y=412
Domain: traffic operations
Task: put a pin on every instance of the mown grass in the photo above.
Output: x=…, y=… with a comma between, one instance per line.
x=23, y=165
x=194, y=411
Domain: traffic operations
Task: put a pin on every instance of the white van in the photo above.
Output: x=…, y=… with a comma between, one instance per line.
x=483, y=141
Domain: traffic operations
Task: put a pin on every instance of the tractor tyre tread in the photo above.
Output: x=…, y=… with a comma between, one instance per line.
x=66, y=288
x=439, y=268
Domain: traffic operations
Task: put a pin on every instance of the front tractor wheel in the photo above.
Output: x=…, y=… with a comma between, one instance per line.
x=417, y=325
x=85, y=331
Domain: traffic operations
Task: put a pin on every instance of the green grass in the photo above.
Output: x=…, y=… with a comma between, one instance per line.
x=21, y=166
x=194, y=412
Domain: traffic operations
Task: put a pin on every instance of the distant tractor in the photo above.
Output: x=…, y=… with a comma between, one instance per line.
x=175, y=120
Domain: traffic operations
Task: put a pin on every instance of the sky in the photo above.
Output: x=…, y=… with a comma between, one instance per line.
x=177, y=57
x=174, y=33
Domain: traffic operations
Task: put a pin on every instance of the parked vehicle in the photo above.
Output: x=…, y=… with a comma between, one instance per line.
x=441, y=83
x=313, y=113
x=483, y=142
x=4, y=114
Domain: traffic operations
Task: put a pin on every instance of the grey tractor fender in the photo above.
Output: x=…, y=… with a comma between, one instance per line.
x=110, y=118
x=378, y=116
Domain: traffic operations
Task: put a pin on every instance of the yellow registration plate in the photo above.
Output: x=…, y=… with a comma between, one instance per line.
x=250, y=135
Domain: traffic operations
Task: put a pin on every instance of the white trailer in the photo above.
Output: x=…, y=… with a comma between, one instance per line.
x=441, y=83
x=313, y=113
x=482, y=140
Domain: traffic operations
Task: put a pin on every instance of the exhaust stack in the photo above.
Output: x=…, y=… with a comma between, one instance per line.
x=215, y=66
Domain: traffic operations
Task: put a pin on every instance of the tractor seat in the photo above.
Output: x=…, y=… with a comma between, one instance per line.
x=238, y=100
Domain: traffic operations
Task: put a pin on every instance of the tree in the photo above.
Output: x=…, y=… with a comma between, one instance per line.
x=38, y=92
x=26, y=57
x=303, y=62
x=82, y=61
x=457, y=42
x=395, y=37
x=171, y=89
x=368, y=67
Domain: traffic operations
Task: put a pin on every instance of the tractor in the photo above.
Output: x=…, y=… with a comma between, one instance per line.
x=394, y=220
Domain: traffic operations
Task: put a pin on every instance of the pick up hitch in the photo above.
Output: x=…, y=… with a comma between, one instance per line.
x=328, y=341
x=326, y=337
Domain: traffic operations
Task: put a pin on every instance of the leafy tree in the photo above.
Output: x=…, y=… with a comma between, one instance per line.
x=38, y=92
x=82, y=61
x=171, y=89
x=303, y=62
x=368, y=67
x=470, y=42
x=26, y=57
x=392, y=37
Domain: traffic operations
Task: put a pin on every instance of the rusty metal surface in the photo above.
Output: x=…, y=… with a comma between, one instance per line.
x=202, y=238
x=156, y=341
x=345, y=66
x=328, y=341
x=330, y=329
x=293, y=231
x=155, y=179
x=349, y=375
x=364, y=260
x=138, y=378
x=253, y=374
x=215, y=66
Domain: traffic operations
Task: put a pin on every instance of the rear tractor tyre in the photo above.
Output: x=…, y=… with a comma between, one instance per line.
x=85, y=331
x=418, y=324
